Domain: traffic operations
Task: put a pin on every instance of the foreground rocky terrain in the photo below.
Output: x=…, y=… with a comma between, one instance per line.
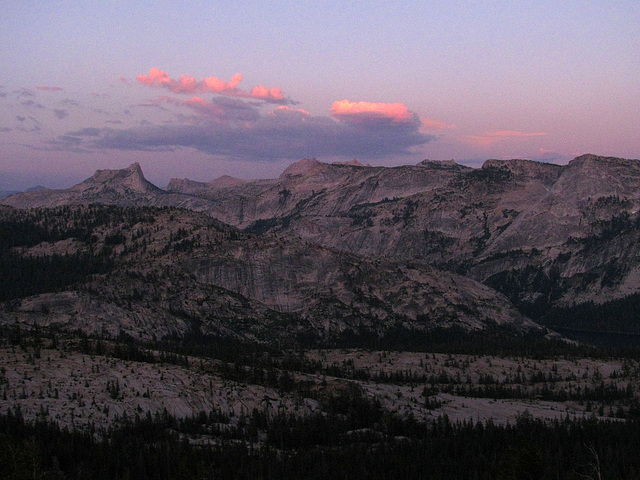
x=72, y=404
x=93, y=385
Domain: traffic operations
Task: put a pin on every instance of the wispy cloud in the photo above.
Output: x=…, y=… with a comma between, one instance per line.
x=32, y=104
x=513, y=133
x=24, y=92
x=489, y=138
x=187, y=84
x=70, y=103
x=220, y=108
x=46, y=88
x=431, y=125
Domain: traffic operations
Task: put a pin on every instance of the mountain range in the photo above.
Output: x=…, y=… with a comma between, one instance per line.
x=326, y=249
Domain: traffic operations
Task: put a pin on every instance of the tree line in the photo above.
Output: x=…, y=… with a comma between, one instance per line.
x=321, y=447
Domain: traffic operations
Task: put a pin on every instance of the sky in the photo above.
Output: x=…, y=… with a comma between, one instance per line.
x=199, y=89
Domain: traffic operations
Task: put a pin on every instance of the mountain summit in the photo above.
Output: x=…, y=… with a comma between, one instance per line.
x=125, y=187
x=128, y=180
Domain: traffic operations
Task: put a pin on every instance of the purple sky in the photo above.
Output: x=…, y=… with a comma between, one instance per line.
x=196, y=89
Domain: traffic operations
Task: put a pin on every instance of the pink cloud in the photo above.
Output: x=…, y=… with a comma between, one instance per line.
x=217, y=85
x=286, y=109
x=361, y=112
x=266, y=93
x=48, y=88
x=197, y=101
x=189, y=85
x=156, y=77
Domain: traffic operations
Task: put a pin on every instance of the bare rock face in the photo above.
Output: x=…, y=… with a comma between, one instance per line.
x=191, y=187
x=339, y=291
x=571, y=230
x=225, y=181
x=567, y=209
x=454, y=218
x=130, y=178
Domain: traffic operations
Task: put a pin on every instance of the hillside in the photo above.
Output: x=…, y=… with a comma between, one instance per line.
x=549, y=237
x=155, y=273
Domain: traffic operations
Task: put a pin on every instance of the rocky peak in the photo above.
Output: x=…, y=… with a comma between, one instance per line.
x=495, y=163
x=591, y=161
x=441, y=165
x=302, y=167
x=589, y=158
x=130, y=178
x=593, y=176
x=226, y=181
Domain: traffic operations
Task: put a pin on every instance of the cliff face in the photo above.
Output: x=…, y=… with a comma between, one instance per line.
x=339, y=291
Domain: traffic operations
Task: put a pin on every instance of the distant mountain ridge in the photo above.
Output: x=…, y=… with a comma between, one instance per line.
x=6, y=193
x=548, y=236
